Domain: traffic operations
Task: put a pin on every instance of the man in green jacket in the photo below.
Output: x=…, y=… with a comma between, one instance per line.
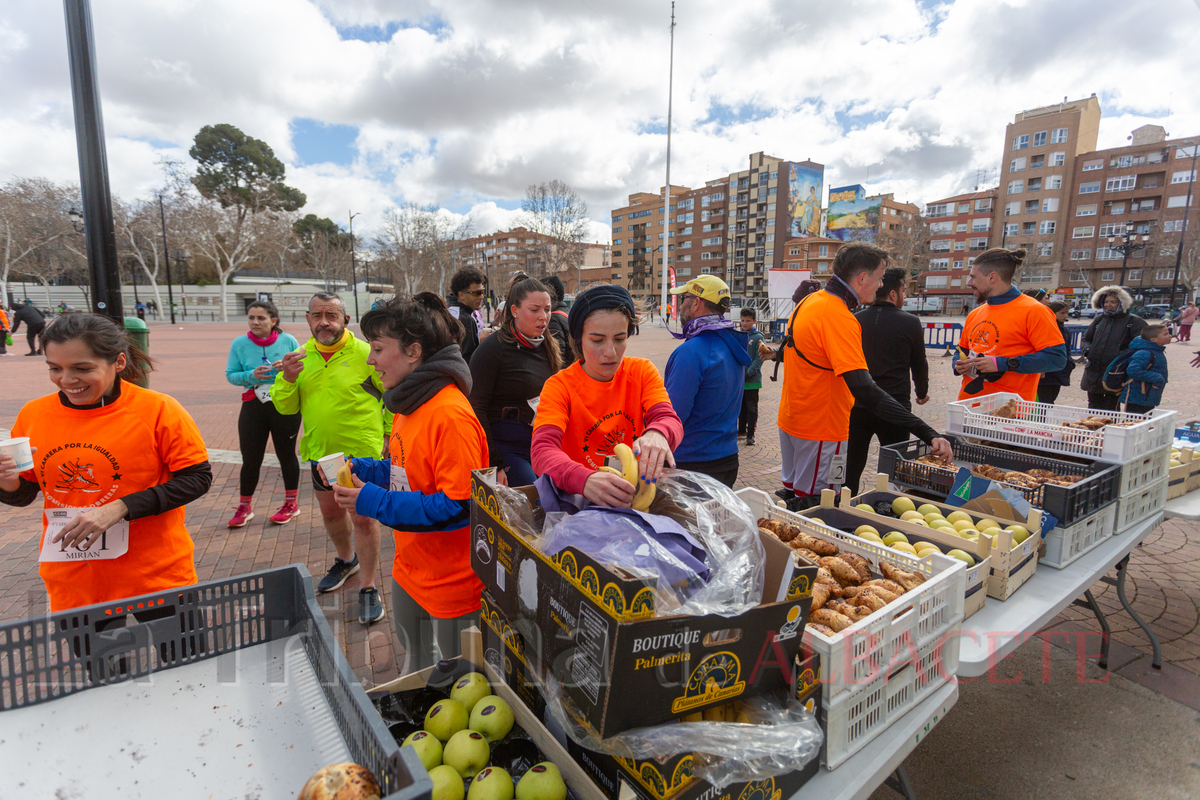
x=748, y=420
x=339, y=396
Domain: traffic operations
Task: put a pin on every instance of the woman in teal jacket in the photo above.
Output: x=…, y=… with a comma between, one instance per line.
x=253, y=364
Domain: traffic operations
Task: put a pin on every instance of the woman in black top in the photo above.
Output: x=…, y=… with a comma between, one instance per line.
x=507, y=373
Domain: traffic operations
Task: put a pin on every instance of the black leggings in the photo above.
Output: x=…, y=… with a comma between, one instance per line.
x=256, y=421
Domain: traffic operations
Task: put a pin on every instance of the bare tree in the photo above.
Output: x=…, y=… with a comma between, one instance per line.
x=908, y=247
x=139, y=232
x=417, y=245
x=559, y=216
x=32, y=214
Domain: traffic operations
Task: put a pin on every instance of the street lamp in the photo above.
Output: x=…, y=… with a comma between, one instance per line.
x=1187, y=209
x=1125, y=244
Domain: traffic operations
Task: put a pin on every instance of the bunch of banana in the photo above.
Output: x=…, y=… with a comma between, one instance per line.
x=629, y=471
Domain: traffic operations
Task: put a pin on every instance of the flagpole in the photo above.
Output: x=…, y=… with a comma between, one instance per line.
x=667, y=206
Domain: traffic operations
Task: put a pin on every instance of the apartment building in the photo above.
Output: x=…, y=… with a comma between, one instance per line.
x=1143, y=186
x=502, y=254
x=814, y=253
x=1041, y=148
x=959, y=228
x=727, y=227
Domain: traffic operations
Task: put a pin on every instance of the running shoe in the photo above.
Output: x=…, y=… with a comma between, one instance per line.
x=750, y=439
x=241, y=516
x=285, y=514
x=337, y=574
x=369, y=608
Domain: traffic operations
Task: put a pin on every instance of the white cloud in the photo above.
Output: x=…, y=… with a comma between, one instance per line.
x=464, y=103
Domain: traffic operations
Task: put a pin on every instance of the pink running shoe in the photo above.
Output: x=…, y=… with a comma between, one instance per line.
x=241, y=516
x=285, y=514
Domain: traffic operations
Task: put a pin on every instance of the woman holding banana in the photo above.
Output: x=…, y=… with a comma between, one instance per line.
x=423, y=490
x=600, y=402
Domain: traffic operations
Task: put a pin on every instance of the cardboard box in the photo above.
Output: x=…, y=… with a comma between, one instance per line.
x=1180, y=479
x=848, y=519
x=1011, y=564
x=596, y=632
x=656, y=779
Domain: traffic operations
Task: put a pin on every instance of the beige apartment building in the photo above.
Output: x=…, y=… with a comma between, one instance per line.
x=959, y=229
x=502, y=254
x=1041, y=147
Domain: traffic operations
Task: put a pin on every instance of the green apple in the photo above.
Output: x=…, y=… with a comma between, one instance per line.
x=469, y=689
x=467, y=751
x=492, y=783
x=447, y=783
x=493, y=717
x=963, y=556
x=902, y=505
x=865, y=507
x=926, y=509
x=428, y=748
x=908, y=516
x=893, y=537
x=542, y=782
x=446, y=718
x=862, y=528
x=956, y=516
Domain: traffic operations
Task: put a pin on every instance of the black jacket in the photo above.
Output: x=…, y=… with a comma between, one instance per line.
x=29, y=315
x=894, y=344
x=503, y=379
x=1108, y=336
x=471, y=338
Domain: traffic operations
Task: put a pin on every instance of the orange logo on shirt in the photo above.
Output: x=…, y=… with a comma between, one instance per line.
x=604, y=435
x=984, y=337
x=76, y=477
x=80, y=468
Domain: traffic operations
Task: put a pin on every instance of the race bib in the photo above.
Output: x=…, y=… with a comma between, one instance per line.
x=113, y=543
x=454, y=311
x=837, y=469
x=399, y=479
x=263, y=392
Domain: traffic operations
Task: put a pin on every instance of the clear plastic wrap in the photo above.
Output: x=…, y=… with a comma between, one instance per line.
x=780, y=737
x=518, y=511
x=698, y=541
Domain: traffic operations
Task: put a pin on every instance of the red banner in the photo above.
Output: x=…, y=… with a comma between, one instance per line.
x=674, y=298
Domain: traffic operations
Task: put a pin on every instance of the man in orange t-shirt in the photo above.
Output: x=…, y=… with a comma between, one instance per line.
x=1010, y=339
x=825, y=375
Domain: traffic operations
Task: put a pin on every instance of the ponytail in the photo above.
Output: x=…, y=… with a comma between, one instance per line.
x=104, y=338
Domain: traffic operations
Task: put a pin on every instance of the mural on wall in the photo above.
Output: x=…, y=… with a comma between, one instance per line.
x=805, y=190
x=853, y=217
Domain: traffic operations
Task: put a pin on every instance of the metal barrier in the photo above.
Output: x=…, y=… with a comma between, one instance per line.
x=942, y=335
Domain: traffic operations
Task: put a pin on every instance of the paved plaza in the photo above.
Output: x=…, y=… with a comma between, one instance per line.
x=1163, y=581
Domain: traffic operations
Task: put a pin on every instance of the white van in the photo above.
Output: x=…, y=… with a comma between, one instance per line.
x=923, y=307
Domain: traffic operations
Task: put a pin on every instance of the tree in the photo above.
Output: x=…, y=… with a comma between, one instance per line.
x=239, y=181
x=139, y=232
x=908, y=247
x=560, y=216
x=324, y=247
x=33, y=213
x=417, y=246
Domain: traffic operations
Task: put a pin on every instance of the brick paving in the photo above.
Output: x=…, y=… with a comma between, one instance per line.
x=1163, y=581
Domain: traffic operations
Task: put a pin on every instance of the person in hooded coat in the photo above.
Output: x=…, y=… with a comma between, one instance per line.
x=1109, y=335
x=558, y=319
x=705, y=378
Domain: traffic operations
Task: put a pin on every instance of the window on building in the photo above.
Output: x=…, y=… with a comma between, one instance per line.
x=963, y=208
x=1010, y=228
x=1133, y=275
x=1047, y=226
x=960, y=245
x=1111, y=208
x=939, y=263
x=1173, y=226
x=937, y=210
x=1077, y=275
x=1045, y=248
x=1054, y=182
x=1058, y=136
x=1058, y=159
x=983, y=205
x=1185, y=152
x=617, y=218
x=1017, y=165
x=1080, y=255
x=1108, y=275
x=1016, y=187
x=1038, y=275
x=795, y=251
x=1090, y=187
x=1093, y=164
x=955, y=282
x=935, y=281
x=1035, y=184
x=978, y=225
x=1163, y=274
x=1112, y=229
x=958, y=265
x=970, y=262
x=1031, y=206
x=940, y=245
x=1020, y=142
x=1049, y=205
x=979, y=243
x=1178, y=201
x=960, y=227
x=941, y=227
x=1120, y=184
x=1086, y=211
x=1108, y=254
x=1187, y=176
x=823, y=250
x=1039, y=139
x=1084, y=232
x=1028, y=227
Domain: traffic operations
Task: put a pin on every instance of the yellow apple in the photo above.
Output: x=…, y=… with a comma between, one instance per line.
x=1019, y=533
x=961, y=525
x=963, y=556
x=871, y=536
x=902, y=505
x=910, y=515
x=926, y=509
x=859, y=530
x=903, y=547
x=956, y=516
x=865, y=507
x=985, y=524
x=893, y=537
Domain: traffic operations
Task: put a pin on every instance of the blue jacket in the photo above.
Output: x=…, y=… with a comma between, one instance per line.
x=245, y=357
x=705, y=378
x=754, y=371
x=1147, y=371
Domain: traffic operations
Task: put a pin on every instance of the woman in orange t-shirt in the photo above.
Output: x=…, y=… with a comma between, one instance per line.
x=115, y=464
x=423, y=490
x=601, y=400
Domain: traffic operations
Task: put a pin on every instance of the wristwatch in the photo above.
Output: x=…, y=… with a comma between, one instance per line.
x=1010, y=364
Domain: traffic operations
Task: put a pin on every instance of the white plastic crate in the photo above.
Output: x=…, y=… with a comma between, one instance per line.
x=1066, y=543
x=865, y=651
x=1039, y=425
x=1132, y=510
x=1139, y=474
x=854, y=719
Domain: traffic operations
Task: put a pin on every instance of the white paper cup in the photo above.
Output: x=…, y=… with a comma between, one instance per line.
x=19, y=449
x=330, y=465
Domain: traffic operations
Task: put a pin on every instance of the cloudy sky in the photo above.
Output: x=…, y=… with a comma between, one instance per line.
x=463, y=103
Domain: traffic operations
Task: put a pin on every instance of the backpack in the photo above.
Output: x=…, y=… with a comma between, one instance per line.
x=790, y=341
x=559, y=311
x=1116, y=377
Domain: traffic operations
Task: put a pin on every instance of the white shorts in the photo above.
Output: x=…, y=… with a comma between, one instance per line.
x=810, y=466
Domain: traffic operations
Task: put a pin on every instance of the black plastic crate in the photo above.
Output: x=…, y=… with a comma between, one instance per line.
x=1066, y=503
x=44, y=659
